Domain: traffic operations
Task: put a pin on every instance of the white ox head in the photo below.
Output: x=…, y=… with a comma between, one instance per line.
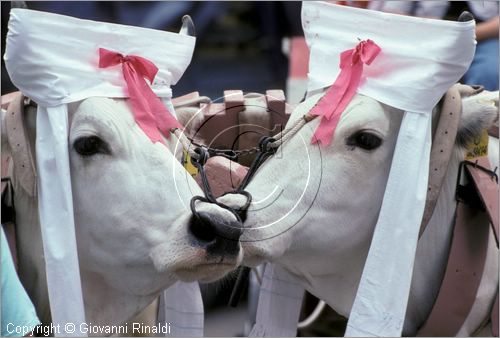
x=129, y=190
x=279, y=226
x=314, y=209
x=130, y=201
x=129, y=194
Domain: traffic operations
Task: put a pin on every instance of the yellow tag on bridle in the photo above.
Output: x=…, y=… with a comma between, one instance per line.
x=186, y=162
x=478, y=147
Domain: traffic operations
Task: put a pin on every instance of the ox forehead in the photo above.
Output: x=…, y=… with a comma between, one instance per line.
x=111, y=122
x=364, y=114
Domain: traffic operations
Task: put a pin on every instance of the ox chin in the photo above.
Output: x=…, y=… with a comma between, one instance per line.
x=209, y=269
x=206, y=272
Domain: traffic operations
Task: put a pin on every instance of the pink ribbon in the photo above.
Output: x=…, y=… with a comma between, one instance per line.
x=338, y=96
x=149, y=112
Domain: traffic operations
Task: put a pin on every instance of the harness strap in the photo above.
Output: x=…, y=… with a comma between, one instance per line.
x=442, y=147
x=494, y=318
x=20, y=147
x=8, y=212
x=467, y=257
x=488, y=193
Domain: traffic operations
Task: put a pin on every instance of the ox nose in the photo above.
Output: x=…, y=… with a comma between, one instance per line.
x=217, y=235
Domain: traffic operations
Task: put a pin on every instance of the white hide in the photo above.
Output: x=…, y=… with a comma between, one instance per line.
x=130, y=216
x=314, y=211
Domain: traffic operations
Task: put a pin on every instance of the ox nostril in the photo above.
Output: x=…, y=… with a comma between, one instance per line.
x=219, y=236
x=202, y=229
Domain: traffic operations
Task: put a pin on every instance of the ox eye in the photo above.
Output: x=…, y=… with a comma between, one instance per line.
x=90, y=145
x=364, y=140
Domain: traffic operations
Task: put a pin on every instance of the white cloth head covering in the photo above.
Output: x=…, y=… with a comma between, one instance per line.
x=419, y=60
x=54, y=60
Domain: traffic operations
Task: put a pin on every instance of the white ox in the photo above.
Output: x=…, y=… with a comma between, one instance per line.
x=314, y=210
x=130, y=199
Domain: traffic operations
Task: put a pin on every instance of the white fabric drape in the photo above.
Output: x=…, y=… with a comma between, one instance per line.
x=380, y=305
x=181, y=307
x=280, y=299
x=55, y=208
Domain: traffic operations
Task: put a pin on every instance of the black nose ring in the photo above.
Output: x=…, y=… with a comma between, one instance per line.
x=235, y=212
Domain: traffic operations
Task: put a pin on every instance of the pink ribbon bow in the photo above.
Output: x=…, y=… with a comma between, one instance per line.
x=149, y=112
x=338, y=96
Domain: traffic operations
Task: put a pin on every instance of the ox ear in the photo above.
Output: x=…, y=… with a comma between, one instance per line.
x=187, y=26
x=479, y=112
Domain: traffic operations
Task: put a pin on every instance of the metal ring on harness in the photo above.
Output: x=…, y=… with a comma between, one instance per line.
x=199, y=162
x=203, y=156
x=265, y=142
